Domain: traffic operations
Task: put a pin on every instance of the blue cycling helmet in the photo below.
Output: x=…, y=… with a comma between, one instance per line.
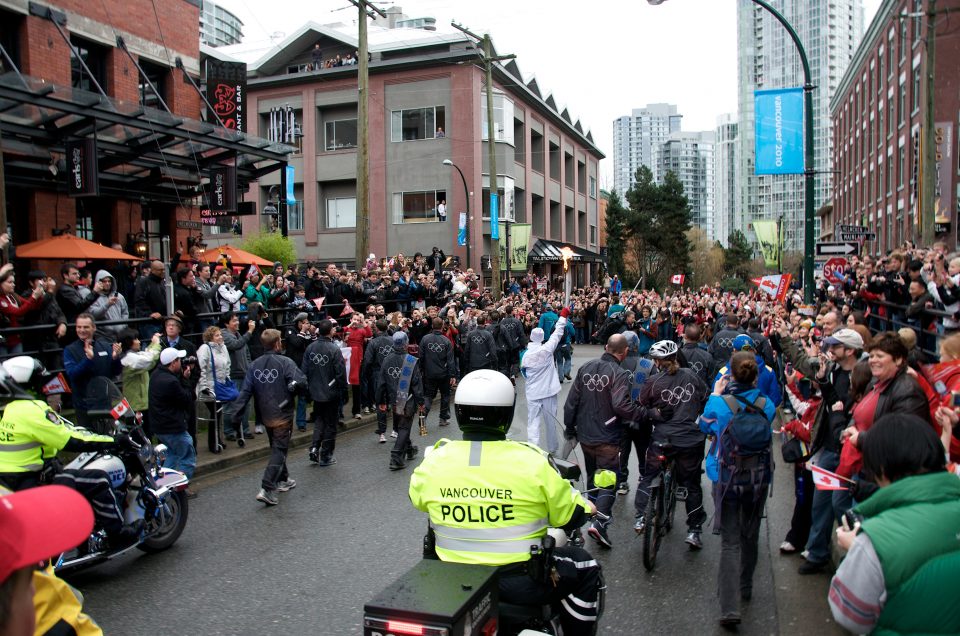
x=743, y=342
x=633, y=341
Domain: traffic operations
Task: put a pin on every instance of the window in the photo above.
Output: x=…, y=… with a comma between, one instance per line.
x=892, y=118
x=901, y=166
x=902, y=103
x=341, y=134
x=417, y=123
x=536, y=151
x=568, y=172
x=10, y=24
x=593, y=187
x=295, y=217
x=84, y=227
x=903, y=39
x=554, y=161
x=158, y=77
x=417, y=207
x=341, y=213
x=593, y=235
x=889, y=175
x=917, y=20
x=94, y=56
x=916, y=89
x=502, y=117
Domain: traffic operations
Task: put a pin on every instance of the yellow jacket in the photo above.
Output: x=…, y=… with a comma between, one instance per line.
x=490, y=501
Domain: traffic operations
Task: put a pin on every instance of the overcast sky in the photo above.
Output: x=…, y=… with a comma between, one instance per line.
x=599, y=63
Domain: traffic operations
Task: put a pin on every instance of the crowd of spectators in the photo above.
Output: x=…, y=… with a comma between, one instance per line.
x=883, y=341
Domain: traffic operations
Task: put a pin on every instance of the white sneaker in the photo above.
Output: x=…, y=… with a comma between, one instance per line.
x=358, y=416
x=787, y=548
x=286, y=485
x=383, y=438
x=393, y=434
x=259, y=429
x=268, y=497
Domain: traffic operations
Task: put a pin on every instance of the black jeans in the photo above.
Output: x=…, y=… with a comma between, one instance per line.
x=688, y=472
x=740, y=513
x=325, y=427
x=276, y=470
x=401, y=424
x=601, y=456
x=430, y=388
x=638, y=439
x=575, y=594
x=357, y=402
x=91, y=483
x=802, y=508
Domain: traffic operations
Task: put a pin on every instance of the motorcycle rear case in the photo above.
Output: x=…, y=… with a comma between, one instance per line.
x=453, y=596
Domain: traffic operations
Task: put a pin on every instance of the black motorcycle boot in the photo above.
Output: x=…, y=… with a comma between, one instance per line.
x=128, y=535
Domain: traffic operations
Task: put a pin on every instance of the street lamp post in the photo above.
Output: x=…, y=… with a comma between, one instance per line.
x=466, y=194
x=809, y=170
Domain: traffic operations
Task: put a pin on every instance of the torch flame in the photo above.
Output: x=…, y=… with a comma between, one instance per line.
x=567, y=254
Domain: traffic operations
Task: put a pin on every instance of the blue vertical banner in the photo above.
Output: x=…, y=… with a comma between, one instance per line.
x=494, y=217
x=291, y=199
x=779, y=131
x=462, y=230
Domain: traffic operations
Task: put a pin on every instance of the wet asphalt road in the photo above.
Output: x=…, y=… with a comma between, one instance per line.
x=308, y=565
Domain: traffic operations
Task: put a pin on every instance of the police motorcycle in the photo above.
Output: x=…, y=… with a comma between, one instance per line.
x=437, y=598
x=144, y=490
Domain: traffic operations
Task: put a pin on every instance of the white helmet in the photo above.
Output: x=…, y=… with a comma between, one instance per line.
x=485, y=402
x=24, y=370
x=663, y=349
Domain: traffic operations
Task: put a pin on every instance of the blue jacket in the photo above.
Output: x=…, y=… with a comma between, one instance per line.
x=716, y=415
x=547, y=321
x=80, y=369
x=767, y=382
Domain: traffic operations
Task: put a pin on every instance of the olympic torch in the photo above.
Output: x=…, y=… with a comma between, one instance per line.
x=567, y=254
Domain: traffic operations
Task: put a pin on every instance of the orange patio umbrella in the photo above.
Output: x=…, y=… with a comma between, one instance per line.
x=70, y=247
x=236, y=255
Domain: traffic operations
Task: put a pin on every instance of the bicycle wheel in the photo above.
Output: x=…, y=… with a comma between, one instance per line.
x=651, y=536
x=670, y=488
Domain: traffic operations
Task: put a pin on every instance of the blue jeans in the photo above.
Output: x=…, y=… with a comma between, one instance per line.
x=301, y=412
x=181, y=455
x=828, y=506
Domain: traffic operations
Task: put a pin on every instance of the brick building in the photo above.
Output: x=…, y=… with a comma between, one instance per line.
x=878, y=120
x=66, y=78
x=427, y=104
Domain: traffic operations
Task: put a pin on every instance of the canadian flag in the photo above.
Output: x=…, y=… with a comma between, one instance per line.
x=120, y=409
x=253, y=270
x=677, y=279
x=775, y=285
x=825, y=480
x=318, y=302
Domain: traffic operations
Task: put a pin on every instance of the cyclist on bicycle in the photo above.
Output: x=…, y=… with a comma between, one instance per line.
x=680, y=393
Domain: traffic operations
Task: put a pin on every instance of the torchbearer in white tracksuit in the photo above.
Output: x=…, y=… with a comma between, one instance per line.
x=543, y=383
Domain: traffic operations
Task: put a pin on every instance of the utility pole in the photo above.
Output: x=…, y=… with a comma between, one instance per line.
x=927, y=203
x=364, y=8
x=488, y=60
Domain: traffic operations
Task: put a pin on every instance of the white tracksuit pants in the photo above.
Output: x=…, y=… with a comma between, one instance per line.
x=546, y=410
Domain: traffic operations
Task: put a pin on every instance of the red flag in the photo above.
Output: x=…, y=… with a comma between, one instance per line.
x=120, y=409
x=825, y=480
x=56, y=385
x=774, y=285
x=677, y=279
x=318, y=302
x=347, y=309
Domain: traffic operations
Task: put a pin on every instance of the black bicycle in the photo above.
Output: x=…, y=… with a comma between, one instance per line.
x=662, y=503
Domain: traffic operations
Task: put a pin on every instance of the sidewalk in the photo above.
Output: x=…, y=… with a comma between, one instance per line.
x=258, y=447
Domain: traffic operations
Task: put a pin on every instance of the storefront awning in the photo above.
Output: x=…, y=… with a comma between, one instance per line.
x=547, y=251
x=141, y=151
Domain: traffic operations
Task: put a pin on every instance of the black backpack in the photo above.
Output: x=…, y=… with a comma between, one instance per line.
x=612, y=325
x=743, y=450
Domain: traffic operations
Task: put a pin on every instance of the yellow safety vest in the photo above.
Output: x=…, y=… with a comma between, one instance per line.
x=31, y=431
x=490, y=501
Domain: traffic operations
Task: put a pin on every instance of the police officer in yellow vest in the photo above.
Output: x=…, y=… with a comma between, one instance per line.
x=490, y=499
x=31, y=435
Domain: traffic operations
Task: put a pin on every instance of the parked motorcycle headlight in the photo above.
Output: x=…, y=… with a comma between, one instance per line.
x=160, y=450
